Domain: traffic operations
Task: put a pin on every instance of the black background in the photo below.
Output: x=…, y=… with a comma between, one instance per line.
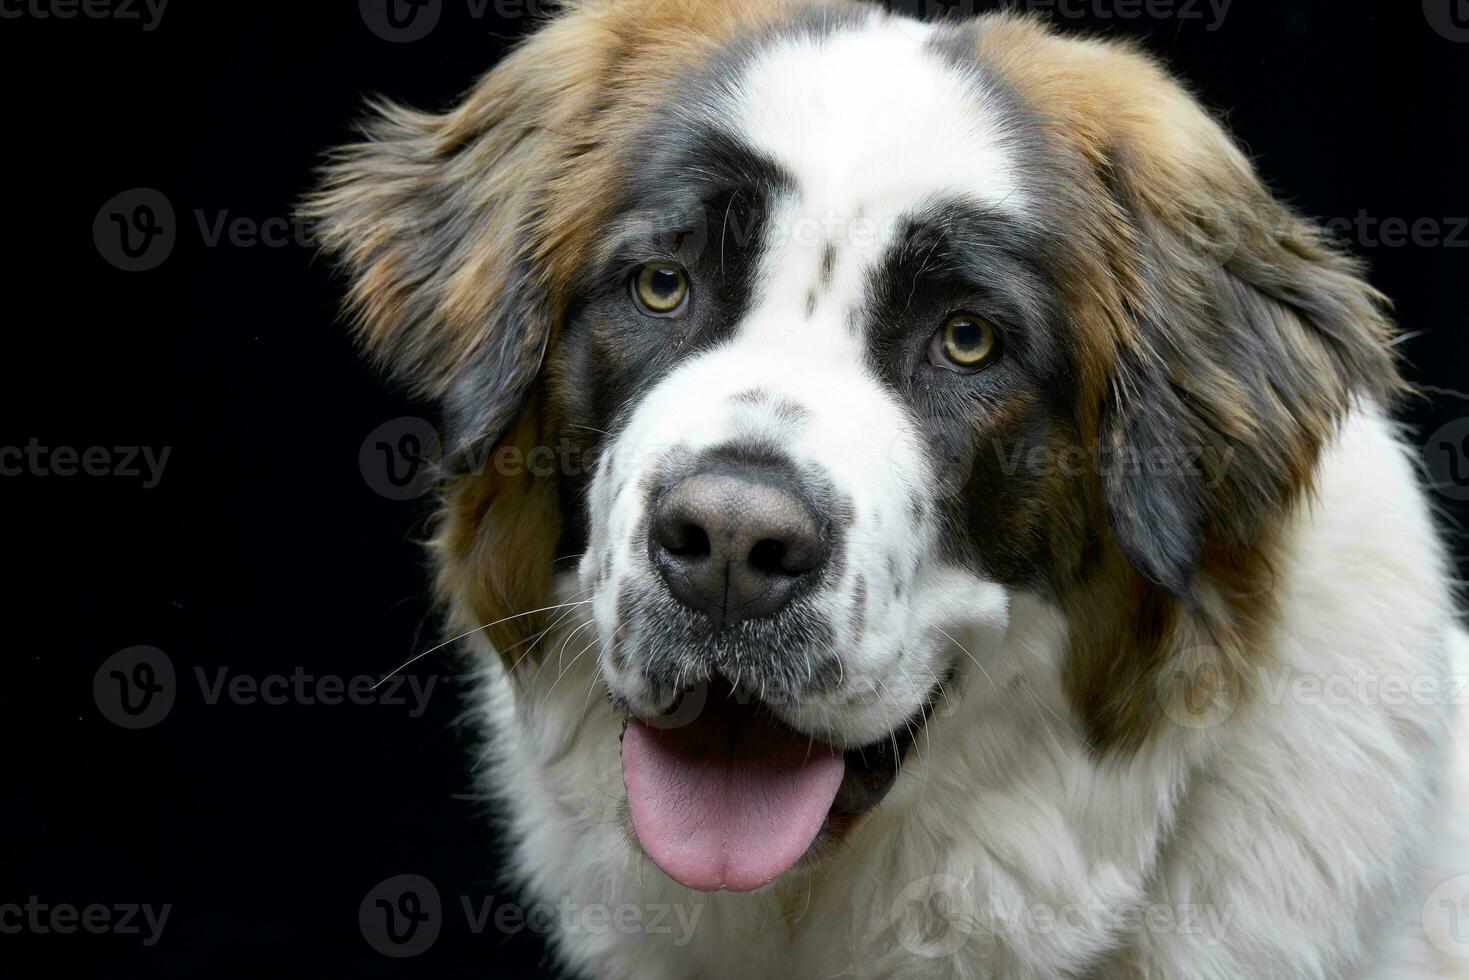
x=266, y=551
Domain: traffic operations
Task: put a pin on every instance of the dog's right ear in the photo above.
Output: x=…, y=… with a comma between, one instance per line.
x=441, y=224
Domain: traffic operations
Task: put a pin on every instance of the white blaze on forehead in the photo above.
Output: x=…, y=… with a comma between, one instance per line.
x=871, y=118
x=873, y=125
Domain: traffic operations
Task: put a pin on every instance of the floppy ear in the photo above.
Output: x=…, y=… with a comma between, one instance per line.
x=457, y=233
x=1250, y=336
x=440, y=225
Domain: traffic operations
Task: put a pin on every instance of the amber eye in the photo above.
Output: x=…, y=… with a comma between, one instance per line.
x=660, y=290
x=966, y=342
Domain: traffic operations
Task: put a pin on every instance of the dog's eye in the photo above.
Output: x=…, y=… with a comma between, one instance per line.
x=661, y=290
x=965, y=343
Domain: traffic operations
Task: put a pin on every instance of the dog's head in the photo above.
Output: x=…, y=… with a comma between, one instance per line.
x=809, y=336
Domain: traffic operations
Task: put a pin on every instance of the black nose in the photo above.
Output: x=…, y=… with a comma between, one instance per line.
x=734, y=547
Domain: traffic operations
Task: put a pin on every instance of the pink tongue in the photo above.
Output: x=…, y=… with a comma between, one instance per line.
x=730, y=800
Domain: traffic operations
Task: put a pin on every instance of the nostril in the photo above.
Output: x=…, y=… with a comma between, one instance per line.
x=768, y=557
x=686, y=541
x=785, y=558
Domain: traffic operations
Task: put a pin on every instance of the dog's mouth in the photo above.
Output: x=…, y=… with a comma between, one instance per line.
x=732, y=797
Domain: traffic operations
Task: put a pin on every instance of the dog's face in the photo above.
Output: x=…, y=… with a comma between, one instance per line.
x=807, y=318
x=846, y=329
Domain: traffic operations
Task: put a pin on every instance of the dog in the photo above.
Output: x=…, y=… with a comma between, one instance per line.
x=917, y=506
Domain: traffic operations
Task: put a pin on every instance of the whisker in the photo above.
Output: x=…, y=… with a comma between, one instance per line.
x=419, y=656
x=544, y=633
x=561, y=651
x=567, y=669
x=887, y=722
x=908, y=723
x=971, y=657
x=592, y=686
x=536, y=636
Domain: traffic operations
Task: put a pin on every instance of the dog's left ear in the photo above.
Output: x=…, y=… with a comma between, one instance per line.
x=1247, y=336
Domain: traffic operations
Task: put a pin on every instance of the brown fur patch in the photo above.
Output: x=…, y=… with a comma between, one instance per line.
x=495, y=548
x=1212, y=318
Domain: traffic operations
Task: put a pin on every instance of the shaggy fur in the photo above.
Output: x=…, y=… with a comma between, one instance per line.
x=1126, y=765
